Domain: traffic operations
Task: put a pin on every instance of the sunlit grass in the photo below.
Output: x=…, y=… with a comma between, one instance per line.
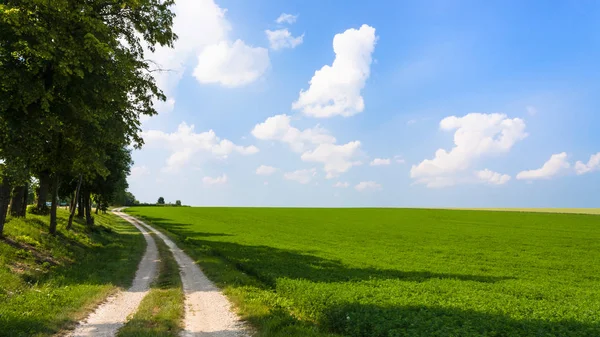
x=398, y=272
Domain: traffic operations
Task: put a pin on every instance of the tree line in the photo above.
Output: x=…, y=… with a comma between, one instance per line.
x=73, y=85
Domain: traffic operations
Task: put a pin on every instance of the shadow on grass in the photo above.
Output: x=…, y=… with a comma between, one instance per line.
x=296, y=265
x=40, y=303
x=378, y=321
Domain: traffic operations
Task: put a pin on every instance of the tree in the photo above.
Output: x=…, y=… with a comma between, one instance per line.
x=178, y=203
x=73, y=78
x=161, y=201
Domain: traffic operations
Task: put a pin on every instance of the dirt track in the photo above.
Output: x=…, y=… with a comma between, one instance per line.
x=207, y=312
x=106, y=320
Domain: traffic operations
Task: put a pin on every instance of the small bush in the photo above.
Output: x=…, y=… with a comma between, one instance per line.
x=33, y=209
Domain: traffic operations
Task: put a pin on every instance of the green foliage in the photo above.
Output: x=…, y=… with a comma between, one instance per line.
x=50, y=282
x=178, y=203
x=161, y=201
x=161, y=312
x=397, y=272
x=73, y=84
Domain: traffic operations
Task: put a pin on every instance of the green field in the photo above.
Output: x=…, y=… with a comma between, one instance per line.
x=398, y=272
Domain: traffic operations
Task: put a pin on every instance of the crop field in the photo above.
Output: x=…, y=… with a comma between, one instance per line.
x=397, y=272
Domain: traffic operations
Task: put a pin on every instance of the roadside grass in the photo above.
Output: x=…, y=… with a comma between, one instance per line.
x=397, y=272
x=48, y=283
x=161, y=312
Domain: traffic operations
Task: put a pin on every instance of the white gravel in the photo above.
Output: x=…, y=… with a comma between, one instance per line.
x=207, y=311
x=106, y=320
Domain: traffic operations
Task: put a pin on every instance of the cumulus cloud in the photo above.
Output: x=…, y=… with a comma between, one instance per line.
x=492, y=178
x=301, y=176
x=279, y=128
x=139, y=171
x=220, y=180
x=476, y=135
x=592, y=165
x=340, y=184
x=203, y=32
x=367, y=185
x=336, y=158
x=336, y=89
x=185, y=142
x=198, y=23
x=286, y=18
x=264, y=170
x=231, y=64
x=380, y=162
x=282, y=38
x=315, y=144
x=556, y=165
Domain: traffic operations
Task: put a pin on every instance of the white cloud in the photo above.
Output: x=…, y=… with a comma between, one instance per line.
x=557, y=164
x=491, y=177
x=340, y=184
x=282, y=38
x=220, y=180
x=198, y=23
x=477, y=135
x=367, y=185
x=231, y=64
x=279, y=128
x=139, y=171
x=592, y=165
x=301, y=176
x=380, y=162
x=265, y=170
x=315, y=144
x=399, y=159
x=286, y=18
x=531, y=110
x=336, y=89
x=438, y=182
x=184, y=143
x=203, y=32
x=337, y=158
x=411, y=122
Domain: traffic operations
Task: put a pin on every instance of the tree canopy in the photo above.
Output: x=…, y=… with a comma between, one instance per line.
x=73, y=85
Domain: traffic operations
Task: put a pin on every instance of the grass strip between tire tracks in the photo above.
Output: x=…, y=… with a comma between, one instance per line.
x=161, y=312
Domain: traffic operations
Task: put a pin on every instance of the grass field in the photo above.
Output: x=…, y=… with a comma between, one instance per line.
x=398, y=272
x=48, y=283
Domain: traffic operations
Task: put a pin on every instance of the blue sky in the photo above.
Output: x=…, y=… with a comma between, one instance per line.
x=422, y=104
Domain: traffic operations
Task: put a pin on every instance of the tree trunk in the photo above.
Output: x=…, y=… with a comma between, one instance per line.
x=42, y=194
x=4, y=200
x=25, y=200
x=74, y=203
x=53, y=220
x=88, y=209
x=17, y=201
x=80, y=204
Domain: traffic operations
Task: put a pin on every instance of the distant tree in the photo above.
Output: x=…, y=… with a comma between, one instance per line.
x=178, y=203
x=161, y=201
